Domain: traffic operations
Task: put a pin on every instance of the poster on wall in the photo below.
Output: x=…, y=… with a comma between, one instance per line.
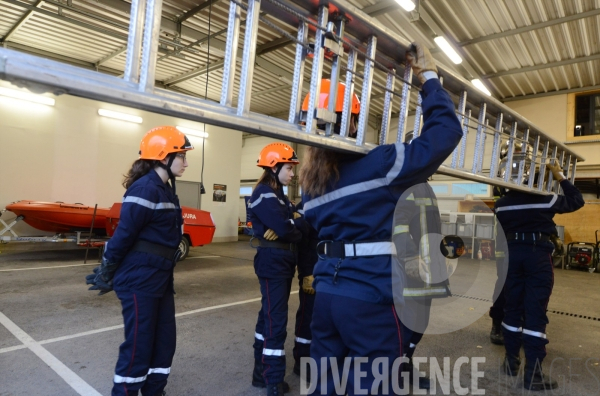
x=219, y=192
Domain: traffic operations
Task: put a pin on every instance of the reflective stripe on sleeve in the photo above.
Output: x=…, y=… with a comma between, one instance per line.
x=528, y=206
x=265, y=196
x=273, y=352
x=400, y=229
x=363, y=186
x=128, y=380
x=534, y=333
x=511, y=328
x=148, y=204
x=302, y=340
x=259, y=336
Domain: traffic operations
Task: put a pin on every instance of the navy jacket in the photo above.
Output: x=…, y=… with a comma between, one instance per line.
x=360, y=207
x=150, y=212
x=307, y=248
x=271, y=209
x=522, y=212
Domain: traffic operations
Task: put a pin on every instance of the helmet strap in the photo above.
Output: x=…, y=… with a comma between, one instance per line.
x=279, y=167
x=167, y=167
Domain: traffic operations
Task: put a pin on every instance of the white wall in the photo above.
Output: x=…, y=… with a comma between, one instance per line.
x=550, y=114
x=68, y=153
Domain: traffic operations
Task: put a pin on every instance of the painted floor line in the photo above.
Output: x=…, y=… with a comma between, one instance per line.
x=72, y=379
x=82, y=265
x=86, y=333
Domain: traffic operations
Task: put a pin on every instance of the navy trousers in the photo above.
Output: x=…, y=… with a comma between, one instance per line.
x=419, y=310
x=146, y=355
x=271, y=328
x=528, y=287
x=497, y=309
x=346, y=327
x=303, y=320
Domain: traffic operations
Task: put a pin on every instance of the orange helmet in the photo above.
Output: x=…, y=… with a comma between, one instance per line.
x=161, y=141
x=324, y=98
x=276, y=153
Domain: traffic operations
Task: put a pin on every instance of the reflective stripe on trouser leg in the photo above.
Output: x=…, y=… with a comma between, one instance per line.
x=302, y=328
x=276, y=293
x=537, y=294
x=259, y=340
x=141, y=318
x=164, y=347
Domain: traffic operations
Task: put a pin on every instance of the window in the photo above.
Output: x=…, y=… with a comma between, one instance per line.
x=587, y=115
x=245, y=190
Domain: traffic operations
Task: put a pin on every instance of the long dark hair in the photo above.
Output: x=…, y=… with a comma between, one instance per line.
x=139, y=168
x=319, y=171
x=268, y=178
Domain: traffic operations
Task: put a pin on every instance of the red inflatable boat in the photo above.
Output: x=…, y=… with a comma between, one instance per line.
x=60, y=217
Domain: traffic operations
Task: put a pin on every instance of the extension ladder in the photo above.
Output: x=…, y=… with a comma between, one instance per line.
x=338, y=38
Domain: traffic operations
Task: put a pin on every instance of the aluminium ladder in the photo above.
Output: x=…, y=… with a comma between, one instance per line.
x=339, y=38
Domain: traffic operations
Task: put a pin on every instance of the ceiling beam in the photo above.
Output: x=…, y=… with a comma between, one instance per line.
x=381, y=7
x=528, y=28
x=61, y=58
x=552, y=93
x=188, y=14
x=21, y=21
x=543, y=66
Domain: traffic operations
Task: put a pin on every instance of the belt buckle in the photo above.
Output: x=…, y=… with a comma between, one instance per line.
x=324, y=257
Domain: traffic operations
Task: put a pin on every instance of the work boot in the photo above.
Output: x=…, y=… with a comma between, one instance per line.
x=496, y=336
x=276, y=389
x=511, y=364
x=536, y=381
x=258, y=380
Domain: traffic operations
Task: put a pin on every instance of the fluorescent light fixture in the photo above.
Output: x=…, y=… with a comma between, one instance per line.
x=192, y=132
x=448, y=50
x=408, y=5
x=479, y=85
x=120, y=116
x=22, y=95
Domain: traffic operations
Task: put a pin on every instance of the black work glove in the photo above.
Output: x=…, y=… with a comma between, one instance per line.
x=101, y=279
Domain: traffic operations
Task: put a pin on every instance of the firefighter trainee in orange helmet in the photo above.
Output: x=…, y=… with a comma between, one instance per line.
x=278, y=228
x=141, y=257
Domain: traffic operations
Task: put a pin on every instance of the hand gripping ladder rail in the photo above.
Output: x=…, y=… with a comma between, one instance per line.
x=337, y=37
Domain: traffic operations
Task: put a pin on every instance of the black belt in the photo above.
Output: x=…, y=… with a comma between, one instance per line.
x=278, y=245
x=527, y=236
x=159, y=250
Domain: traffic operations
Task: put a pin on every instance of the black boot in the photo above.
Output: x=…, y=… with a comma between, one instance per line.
x=535, y=380
x=496, y=336
x=258, y=380
x=511, y=364
x=276, y=389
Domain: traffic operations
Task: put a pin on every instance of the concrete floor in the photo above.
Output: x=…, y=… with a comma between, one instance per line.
x=57, y=338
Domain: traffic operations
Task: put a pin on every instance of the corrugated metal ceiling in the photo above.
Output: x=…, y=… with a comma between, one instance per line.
x=520, y=49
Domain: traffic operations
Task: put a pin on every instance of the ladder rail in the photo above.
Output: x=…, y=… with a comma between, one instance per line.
x=381, y=54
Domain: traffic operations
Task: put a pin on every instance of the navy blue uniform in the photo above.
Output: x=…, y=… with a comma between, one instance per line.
x=354, y=311
x=144, y=284
x=307, y=258
x=527, y=223
x=275, y=268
